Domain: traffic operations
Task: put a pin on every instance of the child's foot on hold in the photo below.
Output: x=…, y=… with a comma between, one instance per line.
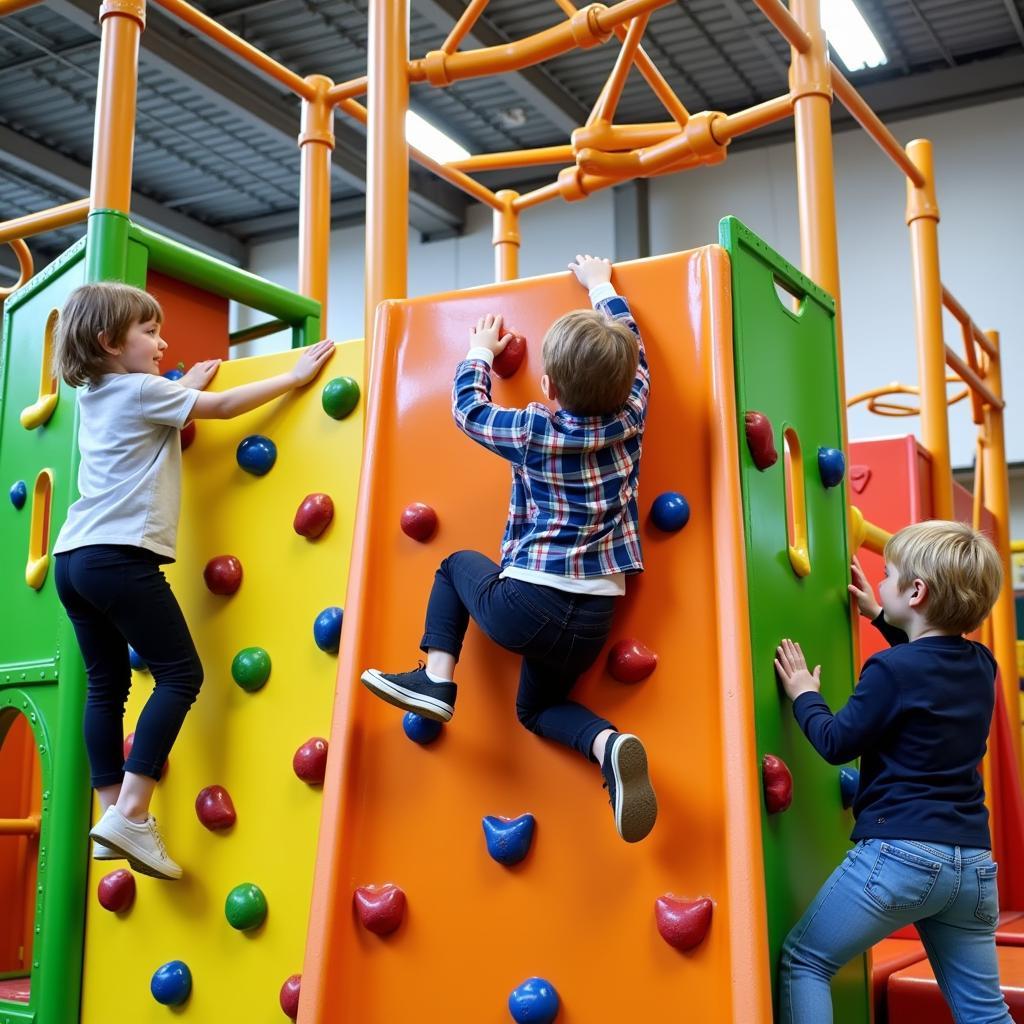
x=101, y=852
x=139, y=842
x=413, y=691
x=629, y=786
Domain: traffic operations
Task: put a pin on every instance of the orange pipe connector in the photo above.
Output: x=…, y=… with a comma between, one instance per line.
x=923, y=220
x=506, y=239
x=316, y=143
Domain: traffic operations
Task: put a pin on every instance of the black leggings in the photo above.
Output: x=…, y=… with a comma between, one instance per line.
x=115, y=596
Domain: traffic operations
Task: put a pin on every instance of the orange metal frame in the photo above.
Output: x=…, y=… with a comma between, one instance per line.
x=600, y=154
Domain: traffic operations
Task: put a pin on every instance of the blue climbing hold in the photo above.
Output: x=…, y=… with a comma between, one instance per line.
x=327, y=629
x=256, y=454
x=849, y=782
x=171, y=983
x=509, y=839
x=176, y=374
x=831, y=466
x=670, y=511
x=18, y=493
x=421, y=730
x=136, y=662
x=534, y=1002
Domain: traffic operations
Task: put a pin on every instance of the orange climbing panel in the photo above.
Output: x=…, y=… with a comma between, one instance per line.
x=579, y=910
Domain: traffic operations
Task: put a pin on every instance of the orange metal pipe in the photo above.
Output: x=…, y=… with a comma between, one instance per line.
x=611, y=137
x=874, y=126
x=971, y=379
x=790, y=27
x=122, y=22
x=608, y=100
x=10, y=6
x=961, y=314
x=237, y=45
x=28, y=826
x=25, y=266
x=506, y=238
x=44, y=220
x=347, y=90
x=588, y=27
x=316, y=143
x=728, y=127
x=468, y=19
x=997, y=495
x=923, y=219
x=537, y=196
x=520, y=158
x=387, y=157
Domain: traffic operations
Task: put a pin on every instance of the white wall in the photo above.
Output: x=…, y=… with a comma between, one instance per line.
x=978, y=161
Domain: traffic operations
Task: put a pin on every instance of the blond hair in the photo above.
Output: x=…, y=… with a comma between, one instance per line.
x=90, y=310
x=961, y=567
x=591, y=359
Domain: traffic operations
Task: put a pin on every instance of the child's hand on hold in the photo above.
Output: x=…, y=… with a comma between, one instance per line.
x=488, y=334
x=591, y=270
x=791, y=668
x=200, y=375
x=311, y=361
x=862, y=591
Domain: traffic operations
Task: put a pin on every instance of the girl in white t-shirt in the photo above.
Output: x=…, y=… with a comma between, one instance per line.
x=121, y=531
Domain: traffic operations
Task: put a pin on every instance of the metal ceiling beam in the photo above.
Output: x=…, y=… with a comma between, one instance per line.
x=230, y=85
x=71, y=180
x=1014, y=15
x=285, y=223
x=535, y=85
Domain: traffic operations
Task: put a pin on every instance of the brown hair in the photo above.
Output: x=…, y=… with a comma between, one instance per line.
x=92, y=309
x=961, y=566
x=591, y=359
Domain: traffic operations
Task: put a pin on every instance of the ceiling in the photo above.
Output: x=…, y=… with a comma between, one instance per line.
x=216, y=160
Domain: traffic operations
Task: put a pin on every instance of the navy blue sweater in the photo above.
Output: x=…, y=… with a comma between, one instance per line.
x=919, y=721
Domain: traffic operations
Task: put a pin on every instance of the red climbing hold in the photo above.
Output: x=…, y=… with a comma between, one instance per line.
x=860, y=476
x=419, y=521
x=310, y=761
x=683, y=923
x=290, y=996
x=630, y=661
x=215, y=809
x=126, y=749
x=223, y=575
x=116, y=891
x=380, y=908
x=778, y=783
x=313, y=515
x=188, y=434
x=511, y=356
x=759, y=440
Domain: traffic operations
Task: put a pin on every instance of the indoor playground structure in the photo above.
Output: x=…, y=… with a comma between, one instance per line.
x=345, y=863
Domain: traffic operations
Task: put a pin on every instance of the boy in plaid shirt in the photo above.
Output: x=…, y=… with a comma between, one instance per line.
x=570, y=541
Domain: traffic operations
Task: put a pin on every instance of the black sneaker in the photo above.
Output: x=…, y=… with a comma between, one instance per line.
x=413, y=691
x=629, y=787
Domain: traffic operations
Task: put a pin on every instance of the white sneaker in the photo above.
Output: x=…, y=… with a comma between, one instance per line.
x=101, y=852
x=139, y=842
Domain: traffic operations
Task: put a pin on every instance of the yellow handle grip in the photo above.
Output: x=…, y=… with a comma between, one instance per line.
x=38, y=563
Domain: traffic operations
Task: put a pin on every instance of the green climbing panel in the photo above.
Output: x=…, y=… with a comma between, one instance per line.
x=786, y=368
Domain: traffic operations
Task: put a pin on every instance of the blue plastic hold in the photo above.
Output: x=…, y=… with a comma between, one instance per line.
x=176, y=374
x=849, y=782
x=327, y=629
x=421, y=730
x=256, y=454
x=18, y=493
x=670, y=511
x=172, y=983
x=831, y=466
x=136, y=662
x=509, y=839
x=534, y=1002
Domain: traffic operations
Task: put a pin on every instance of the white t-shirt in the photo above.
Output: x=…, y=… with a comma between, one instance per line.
x=129, y=477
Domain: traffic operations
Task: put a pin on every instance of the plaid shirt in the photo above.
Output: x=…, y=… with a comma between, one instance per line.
x=573, y=511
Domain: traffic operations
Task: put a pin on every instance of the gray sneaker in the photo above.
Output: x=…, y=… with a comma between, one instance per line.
x=629, y=787
x=139, y=842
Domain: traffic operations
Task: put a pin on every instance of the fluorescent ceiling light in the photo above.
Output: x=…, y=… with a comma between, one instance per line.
x=849, y=35
x=423, y=135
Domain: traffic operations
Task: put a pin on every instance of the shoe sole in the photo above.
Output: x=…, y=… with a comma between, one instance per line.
x=407, y=700
x=141, y=866
x=109, y=855
x=636, y=806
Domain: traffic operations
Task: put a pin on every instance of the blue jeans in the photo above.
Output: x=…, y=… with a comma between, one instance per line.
x=558, y=634
x=117, y=595
x=949, y=892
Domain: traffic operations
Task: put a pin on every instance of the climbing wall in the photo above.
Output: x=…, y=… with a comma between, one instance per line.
x=579, y=911
x=241, y=735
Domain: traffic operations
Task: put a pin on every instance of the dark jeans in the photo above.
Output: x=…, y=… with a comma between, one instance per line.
x=115, y=596
x=558, y=634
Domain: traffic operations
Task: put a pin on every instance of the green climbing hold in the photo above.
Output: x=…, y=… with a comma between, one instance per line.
x=245, y=907
x=340, y=396
x=251, y=668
